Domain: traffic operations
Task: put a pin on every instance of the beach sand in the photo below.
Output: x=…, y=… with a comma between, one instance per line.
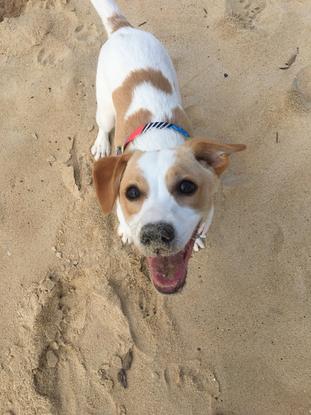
x=83, y=331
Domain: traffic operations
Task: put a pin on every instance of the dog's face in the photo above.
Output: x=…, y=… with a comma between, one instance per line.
x=162, y=197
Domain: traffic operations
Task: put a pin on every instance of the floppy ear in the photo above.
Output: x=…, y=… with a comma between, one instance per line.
x=107, y=175
x=214, y=154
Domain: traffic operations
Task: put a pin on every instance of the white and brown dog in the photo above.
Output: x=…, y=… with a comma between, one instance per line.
x=161, y=180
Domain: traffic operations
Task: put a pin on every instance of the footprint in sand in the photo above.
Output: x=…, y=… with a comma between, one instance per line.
x=302, y=87
x=147, y=306
x=147, y=315
x=86, y=33
x=71, y=338
x=11, y=8
x=245, y=11
x=192, y=376
x=122, y=410
x=53, y=53
x=136, y=305
x=46, y=57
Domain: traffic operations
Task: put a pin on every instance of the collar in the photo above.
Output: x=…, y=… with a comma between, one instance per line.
x=144, y=128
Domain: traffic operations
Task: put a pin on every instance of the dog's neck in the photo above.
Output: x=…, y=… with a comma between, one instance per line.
x=157, y=139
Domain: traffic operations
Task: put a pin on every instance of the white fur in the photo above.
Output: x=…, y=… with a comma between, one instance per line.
x=160, y=205
x=155, y=140
x=127, y=50
x=130, y=49
x=158, y=102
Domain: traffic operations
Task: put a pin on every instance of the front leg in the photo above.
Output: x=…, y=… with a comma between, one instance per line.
x=105, y=120
x=202, y=231
x=101, y=147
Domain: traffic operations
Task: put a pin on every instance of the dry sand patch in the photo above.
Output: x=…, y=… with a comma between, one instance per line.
x=82, y=329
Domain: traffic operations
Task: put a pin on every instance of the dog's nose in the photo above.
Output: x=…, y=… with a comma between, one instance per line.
x=157, y=233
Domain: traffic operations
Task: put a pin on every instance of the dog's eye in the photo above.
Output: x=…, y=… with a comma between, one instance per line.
x=132, y=193
x=186, y=187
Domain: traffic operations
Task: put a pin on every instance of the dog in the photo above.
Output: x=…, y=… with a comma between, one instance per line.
x=159, y=176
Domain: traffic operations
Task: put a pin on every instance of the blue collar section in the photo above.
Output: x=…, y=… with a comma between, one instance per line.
x=162, y=125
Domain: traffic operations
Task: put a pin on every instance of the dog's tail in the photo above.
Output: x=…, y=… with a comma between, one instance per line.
x=111, y=15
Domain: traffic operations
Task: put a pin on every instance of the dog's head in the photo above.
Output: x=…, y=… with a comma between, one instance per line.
x=162, y=196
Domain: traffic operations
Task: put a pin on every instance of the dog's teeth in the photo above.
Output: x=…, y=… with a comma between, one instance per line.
x=200, y=243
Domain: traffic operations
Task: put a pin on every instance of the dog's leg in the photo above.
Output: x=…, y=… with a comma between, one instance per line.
x=202, y=232
x=105, y=122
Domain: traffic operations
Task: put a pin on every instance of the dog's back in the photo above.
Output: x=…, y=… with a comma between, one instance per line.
x=129, y=49
x=134, y=72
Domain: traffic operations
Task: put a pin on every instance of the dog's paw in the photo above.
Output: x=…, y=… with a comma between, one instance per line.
x=201, y=236
x=101, y=147
x=124, y=235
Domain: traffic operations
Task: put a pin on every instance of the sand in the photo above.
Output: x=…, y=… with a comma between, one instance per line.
x=82, y=329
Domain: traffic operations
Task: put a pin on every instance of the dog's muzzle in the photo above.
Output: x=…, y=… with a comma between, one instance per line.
x=159, y=235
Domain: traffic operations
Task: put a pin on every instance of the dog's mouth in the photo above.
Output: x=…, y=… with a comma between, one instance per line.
x=168, y=273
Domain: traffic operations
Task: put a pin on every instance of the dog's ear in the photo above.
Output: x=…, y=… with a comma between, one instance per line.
x=214, y=154
x=107, y=175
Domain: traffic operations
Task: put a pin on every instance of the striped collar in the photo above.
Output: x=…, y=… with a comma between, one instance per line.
x=143, y=129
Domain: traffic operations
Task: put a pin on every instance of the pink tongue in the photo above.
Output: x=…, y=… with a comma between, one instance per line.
x=169, y=272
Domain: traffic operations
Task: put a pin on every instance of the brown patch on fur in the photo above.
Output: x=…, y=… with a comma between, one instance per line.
x=128, y=126
x=188, y=168
x=196, y=160
x=122, y=98
x=214, y=154
x=117, y=22
x=107, y=174
x=133, y=176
